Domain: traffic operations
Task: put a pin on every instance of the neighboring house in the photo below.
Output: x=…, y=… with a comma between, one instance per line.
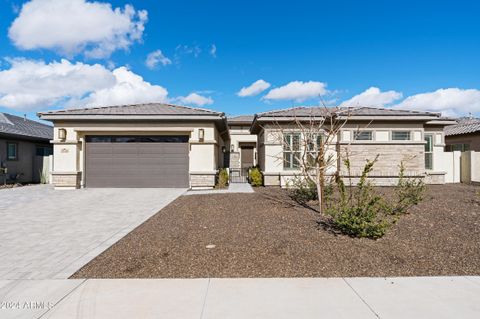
x=143, y=145
x=24, y=145
x=416, y=138
x=464, y=136
x=243, y=144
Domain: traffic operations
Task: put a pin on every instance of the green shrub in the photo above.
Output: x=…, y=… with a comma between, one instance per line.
x=409, y=192
x=361, y=222
x=255, y=177
x=222, y=178
x=359, y=211
x=302, y=190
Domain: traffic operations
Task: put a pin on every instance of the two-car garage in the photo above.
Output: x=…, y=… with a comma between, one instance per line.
x=137, y=161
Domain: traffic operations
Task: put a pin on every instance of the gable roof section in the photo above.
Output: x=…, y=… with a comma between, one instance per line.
x=464, y=126
x=17, y=126
x=305, y=111
x=148, y=109
x=299, y=111
x=140, y=112
x=377, y=111
x=353, y=113
x=241, y=119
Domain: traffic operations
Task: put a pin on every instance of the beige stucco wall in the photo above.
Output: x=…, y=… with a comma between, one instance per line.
x=391, y=153
x=205, y=156
x=472, y=139
x=26, y=158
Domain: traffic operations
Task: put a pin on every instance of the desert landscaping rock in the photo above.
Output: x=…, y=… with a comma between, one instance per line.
x=265, y=234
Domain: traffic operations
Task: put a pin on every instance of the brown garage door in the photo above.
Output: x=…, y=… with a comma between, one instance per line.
x=136, y=161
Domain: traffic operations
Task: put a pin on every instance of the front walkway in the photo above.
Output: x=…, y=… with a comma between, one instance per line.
x=46, y=234
x=276, y=298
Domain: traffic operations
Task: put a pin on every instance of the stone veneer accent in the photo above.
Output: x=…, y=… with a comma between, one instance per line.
x=66, y=179
x=389, y=160
x=234, y=160
x=435, y=178
x=202, y=180
x=271, y=180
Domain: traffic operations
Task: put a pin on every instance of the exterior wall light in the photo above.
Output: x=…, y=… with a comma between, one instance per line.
x=62, y=134
x=201, y=135
x=232, y=148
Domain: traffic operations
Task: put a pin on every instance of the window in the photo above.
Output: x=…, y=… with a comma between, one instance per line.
x=314, y=143
x=291, y=151
x=429, y=151
x=458, y=147
x=44, y=151
x=12, y=151
x=401, y=135
x=363, y=136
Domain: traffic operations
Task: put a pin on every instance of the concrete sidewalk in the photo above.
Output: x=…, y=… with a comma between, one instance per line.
x=412, y=297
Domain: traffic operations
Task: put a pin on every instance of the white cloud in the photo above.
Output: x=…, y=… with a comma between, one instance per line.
x=451, y=101
x=213, y=50
x=29, y=85
x=255, y=88
x=156, y=57
x=129, y=88
x=71, y=27
x=34, y=85
x=298, y=91
x=182, y=50
x=195, y=99
x=372, y=97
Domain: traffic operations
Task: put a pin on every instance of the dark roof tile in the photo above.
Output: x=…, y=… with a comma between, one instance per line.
x=464, y=126
x=136, y=109
x=15, y=125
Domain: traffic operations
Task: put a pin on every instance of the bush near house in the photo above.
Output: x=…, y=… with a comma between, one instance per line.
x=358, y=210
x=255, y=176
x=222, y=180
x=301, y=190
x=361, y=212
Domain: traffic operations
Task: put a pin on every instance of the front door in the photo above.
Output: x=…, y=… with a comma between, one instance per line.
x=247, y=156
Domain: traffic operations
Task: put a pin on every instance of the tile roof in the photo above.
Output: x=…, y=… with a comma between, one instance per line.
x=297, y=111
x=136, y=109
x=378, y=111
x=241, y=119
x=464, y=126
x=354, y=111
x=16, y=125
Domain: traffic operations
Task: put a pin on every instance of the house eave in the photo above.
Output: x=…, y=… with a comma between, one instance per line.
x=95, y=117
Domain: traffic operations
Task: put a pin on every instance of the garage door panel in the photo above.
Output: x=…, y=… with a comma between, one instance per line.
x=137, y=164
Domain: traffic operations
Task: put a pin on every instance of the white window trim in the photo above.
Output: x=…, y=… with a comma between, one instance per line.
x=432, y=135
x=409, y=132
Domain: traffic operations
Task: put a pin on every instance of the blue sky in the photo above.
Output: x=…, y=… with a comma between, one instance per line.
x=410, y=54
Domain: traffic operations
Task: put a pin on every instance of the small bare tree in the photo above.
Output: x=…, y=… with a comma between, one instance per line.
x=309, y=143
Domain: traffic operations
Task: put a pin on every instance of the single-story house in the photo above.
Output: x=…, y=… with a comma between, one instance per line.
x=463, y=136
x=143, y=145
x=416, y=138
x=24, y=145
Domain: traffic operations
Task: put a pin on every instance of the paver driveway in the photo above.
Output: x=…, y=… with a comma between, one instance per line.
x=50, y=234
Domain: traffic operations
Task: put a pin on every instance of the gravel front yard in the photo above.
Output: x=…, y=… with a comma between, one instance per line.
x=265, y=234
